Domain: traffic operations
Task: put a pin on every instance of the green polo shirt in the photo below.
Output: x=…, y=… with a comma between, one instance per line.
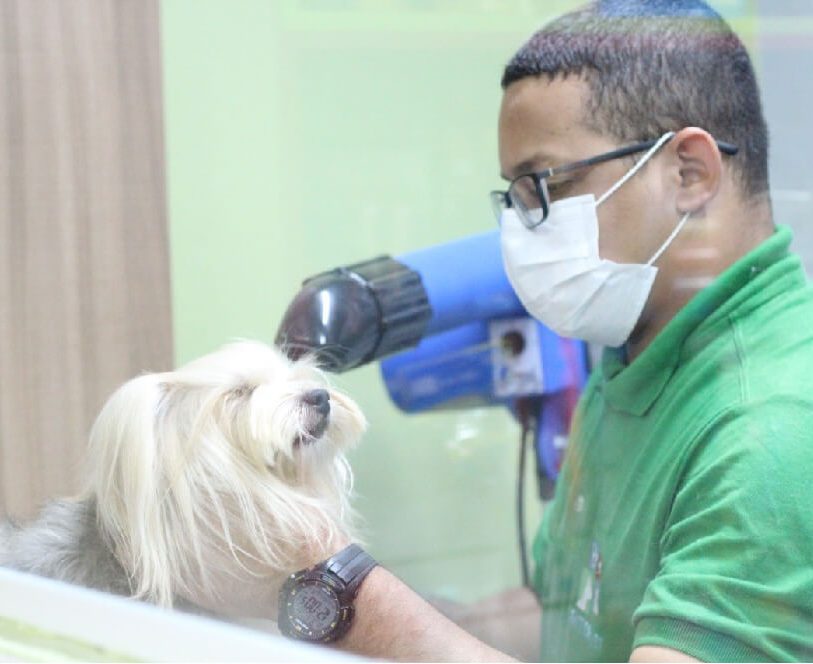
x=684, y=513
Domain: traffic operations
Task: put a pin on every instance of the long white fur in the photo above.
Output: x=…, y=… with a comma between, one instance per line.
x=197, y=478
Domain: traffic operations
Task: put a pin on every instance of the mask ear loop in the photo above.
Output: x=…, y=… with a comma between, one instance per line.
x=630, y=173
x=661, y=141
x=671, y=237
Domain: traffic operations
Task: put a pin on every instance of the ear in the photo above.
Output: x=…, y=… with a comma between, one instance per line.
x=124, y=454
x=700, y=167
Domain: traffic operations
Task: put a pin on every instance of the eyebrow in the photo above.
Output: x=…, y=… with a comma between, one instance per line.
x=533, y=164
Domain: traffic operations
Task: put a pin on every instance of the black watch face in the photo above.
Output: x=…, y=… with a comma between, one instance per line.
x=313, y=609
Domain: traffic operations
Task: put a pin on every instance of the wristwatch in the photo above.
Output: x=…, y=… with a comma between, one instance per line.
x=316, y=604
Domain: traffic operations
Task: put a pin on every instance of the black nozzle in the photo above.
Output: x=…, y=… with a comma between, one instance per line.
x=355, y=314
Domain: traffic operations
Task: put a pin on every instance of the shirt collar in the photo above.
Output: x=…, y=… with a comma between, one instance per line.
x=743, y=286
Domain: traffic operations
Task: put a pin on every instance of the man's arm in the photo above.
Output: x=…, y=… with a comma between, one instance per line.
x=393, y=622
x=510, y=621
x=659, y=654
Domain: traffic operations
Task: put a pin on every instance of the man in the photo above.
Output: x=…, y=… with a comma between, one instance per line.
x=638, y=217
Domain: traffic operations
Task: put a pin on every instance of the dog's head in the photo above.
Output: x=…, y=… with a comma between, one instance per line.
x=233, y=462
x=282, y=415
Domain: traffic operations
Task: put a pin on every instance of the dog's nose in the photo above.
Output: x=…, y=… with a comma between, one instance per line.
x=319, y=399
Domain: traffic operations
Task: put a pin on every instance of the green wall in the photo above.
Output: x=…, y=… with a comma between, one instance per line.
x=302, y=135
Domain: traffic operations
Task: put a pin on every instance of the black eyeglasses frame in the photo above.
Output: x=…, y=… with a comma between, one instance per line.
x=501, y=200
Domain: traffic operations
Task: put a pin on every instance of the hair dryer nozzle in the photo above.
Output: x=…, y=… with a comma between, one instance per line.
x=352, y=315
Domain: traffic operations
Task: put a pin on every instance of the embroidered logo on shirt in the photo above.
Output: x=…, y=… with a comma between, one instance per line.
x=590, y=594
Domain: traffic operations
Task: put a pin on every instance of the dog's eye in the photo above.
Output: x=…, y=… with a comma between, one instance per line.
x=242, y=391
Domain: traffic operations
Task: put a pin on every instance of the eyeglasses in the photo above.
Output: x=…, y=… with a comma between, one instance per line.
x=529, y=193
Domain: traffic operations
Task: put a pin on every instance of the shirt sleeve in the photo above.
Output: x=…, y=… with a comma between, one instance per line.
x=735, y=581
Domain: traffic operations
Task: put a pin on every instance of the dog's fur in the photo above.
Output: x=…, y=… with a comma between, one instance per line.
x=207, y=486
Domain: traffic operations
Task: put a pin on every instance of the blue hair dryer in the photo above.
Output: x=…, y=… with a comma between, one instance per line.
x=452, y=331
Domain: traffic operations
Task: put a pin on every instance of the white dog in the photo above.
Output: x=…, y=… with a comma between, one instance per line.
x=208, y=485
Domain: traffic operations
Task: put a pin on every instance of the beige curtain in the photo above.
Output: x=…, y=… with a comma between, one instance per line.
x=84, y=275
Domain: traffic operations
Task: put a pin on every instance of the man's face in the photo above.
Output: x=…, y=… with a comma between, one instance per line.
x=542, y=125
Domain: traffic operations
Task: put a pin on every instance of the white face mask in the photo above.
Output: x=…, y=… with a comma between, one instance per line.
x=562, y=281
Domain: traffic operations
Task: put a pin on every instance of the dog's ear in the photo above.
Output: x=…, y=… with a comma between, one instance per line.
x=126, y=481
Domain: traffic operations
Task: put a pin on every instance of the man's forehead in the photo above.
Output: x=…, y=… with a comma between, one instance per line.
x=541, y=124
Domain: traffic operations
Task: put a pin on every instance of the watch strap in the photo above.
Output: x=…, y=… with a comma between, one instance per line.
x=351, y=565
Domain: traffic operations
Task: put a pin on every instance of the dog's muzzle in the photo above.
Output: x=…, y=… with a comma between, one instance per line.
x=317, y=403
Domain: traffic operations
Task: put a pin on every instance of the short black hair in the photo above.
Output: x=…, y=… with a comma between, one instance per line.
x=654, y=66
